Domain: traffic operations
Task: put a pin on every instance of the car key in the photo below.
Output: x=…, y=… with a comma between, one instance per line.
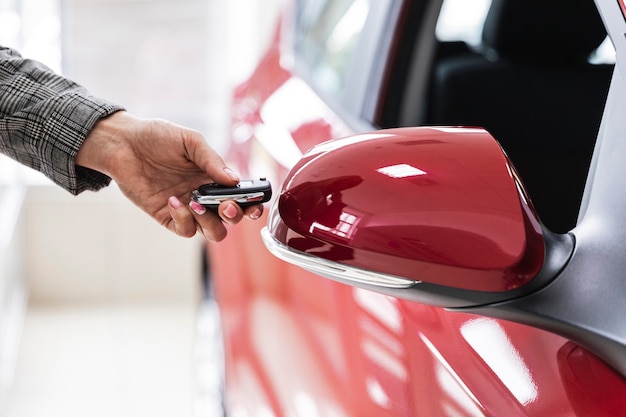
x=246, y=193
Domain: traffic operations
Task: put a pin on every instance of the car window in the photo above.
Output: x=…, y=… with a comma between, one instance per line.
x=327, y=37
x=519, y=72
x=462, y=20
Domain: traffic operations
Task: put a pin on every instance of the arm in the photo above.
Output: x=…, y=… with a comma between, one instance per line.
x=44, y=119
x=82, y=142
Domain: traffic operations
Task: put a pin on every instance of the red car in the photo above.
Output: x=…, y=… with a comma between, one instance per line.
x=458, y=251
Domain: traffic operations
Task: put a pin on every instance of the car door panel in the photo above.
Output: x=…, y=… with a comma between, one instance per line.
x=297, y=344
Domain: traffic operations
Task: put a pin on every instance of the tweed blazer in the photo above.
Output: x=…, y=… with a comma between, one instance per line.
x=44, y=119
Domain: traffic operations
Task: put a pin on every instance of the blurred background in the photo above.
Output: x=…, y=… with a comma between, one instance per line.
x=99, y=305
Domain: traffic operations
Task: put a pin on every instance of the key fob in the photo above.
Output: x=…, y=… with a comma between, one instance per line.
x=246, y=193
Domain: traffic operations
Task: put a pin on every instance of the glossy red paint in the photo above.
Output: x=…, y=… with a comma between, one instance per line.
x=592, y=388
x=438, y=205
x=300, y=345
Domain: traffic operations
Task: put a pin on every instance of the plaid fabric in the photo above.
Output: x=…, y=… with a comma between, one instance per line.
x=44, y=119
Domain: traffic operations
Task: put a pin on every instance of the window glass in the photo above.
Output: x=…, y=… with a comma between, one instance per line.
x=605, y=54
x=327, y=36
x=462, y=20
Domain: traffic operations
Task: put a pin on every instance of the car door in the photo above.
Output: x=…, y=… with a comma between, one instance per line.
x=297, y=344
x=289, y=342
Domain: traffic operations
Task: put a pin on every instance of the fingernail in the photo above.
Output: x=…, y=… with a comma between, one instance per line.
x=230, y=211
x=174, y=202
x=198, y=208
x=231, y=174
x=255, y=214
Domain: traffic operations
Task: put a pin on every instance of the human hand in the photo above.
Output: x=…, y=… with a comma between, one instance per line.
x=156, y=164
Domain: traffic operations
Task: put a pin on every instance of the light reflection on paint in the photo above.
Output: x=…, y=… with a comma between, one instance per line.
x=293, y=105
x=401, y=171
x=279, y=144
x=381, y=325
x=450, y=381
x=336, y=143
x=490, y=341
x=376, y=392
x=458, y=130
x=305, y=405
x=456, y=402
x=380, y=306
x=264, y=412
x=384, y=359
x=344, y=228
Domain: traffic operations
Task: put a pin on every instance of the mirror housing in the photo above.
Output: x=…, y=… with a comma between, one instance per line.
x=433, y=214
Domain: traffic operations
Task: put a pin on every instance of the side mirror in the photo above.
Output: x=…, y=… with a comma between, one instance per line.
x=434, y=215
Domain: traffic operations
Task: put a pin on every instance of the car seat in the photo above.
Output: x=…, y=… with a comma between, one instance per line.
x=532, y=86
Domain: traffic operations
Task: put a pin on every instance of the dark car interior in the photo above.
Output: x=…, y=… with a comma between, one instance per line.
x=532, y=86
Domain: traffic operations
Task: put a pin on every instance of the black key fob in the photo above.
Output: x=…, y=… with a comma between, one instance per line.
x=246, y=193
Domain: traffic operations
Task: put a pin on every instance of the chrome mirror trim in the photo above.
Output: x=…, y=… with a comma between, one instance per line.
x=334, y=270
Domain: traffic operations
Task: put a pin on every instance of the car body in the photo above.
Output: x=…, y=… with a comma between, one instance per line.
x=299, y=344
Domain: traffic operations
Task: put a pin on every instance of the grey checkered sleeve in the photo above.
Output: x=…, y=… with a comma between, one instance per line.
x=44, y=119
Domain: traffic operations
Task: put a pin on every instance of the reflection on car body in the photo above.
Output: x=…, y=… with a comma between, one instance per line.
x=299, y=344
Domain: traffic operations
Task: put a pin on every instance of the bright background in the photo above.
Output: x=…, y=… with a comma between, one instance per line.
x=100, y=304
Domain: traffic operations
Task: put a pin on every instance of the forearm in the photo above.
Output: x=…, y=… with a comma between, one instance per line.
x=44, y=120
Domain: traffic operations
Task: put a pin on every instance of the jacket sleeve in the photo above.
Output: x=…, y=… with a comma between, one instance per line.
x=44, y=119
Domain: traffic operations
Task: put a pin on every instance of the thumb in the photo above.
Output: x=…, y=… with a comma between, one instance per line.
x=208, y=160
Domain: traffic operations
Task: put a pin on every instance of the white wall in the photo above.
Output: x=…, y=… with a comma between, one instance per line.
x=12, y=289
x=98, y=247
x=106, y=281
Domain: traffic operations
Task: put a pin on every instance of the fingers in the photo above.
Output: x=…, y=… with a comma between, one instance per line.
x=187, y=220
x=182, y=221
x=207, y=222
x=254, y=212
x=210, y=161
x=232, y=213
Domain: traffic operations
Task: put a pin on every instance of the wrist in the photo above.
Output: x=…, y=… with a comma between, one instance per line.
x=105, y=143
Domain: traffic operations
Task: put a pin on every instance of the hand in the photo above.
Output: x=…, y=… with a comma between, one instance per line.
x=156, y=165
